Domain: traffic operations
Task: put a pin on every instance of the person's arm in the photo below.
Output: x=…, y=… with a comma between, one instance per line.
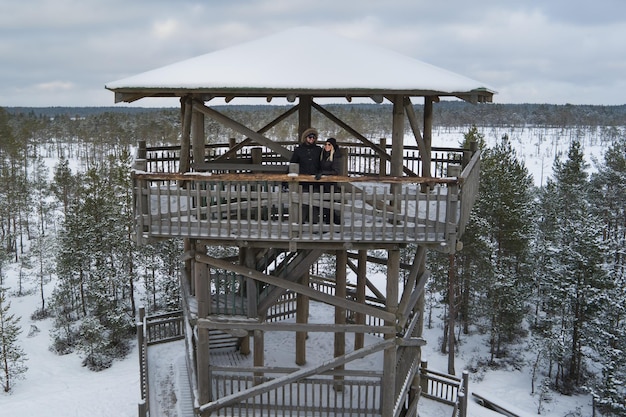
x=295, y=157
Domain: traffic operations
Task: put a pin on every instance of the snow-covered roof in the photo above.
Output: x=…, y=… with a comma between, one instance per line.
x=300, y=61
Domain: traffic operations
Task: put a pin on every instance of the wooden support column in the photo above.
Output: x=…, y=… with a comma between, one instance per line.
x=361, y=282
x=302, y=317
x=390, y=354
x=416, y=386
x=246, y=258
x=304, y=115
x=428, y=137
x=397, y=142
x=185, y=140
x=258, y=356
x=203, y=299
x=197, y=136
x=341, y=263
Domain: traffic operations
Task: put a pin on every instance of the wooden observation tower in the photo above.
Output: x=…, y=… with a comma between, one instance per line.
x=239, y=193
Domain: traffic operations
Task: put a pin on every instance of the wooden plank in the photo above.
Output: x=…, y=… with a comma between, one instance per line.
x=302, y=289
x=206, y=409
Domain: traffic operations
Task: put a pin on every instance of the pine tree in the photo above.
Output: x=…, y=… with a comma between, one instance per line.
x=12, y=356
x=608, y=193
x=576, y=278
x=498, y=263
x=97, y=264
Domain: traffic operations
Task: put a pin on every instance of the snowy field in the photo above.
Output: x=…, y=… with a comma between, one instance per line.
x=58, y=386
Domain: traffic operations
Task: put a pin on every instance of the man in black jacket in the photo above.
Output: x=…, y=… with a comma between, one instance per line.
x=307, y=155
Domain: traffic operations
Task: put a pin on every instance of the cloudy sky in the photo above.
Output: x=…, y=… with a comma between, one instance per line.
x=63, y=52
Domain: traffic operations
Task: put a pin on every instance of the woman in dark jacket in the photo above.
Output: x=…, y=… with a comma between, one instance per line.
x=330, y=159
x=330, y=164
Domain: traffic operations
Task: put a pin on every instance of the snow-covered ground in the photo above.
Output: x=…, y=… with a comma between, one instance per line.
x=58, y=386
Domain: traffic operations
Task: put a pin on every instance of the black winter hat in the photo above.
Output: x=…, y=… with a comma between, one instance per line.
x=333, y=142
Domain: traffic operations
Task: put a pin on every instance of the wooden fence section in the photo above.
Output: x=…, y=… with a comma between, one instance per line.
x=164, y=327
x=241, y=207
x=360, y=394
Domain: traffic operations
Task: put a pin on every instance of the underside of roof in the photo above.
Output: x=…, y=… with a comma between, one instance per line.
x=300, y=62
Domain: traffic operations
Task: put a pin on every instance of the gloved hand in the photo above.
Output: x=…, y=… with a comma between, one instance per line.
x=318, y=176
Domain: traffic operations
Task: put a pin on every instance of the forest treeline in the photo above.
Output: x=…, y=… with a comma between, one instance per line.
x=123, y=125
x=542, y=268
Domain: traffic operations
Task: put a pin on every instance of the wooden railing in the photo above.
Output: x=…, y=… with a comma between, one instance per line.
x=242, y=207
x=445, y=388
x=243, y=197
x=361, y=159
x=165, y=327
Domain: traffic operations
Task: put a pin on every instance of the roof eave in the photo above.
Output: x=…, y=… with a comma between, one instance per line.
x=132, y=94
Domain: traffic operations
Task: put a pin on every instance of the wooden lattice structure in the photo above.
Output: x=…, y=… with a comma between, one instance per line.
x=240, y=193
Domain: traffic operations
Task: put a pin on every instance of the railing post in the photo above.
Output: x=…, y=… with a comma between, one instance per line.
x=383, y=161
x=465, y=385
x=140, y=344
x=257, y=155
x=142, y=409
x=424, y=377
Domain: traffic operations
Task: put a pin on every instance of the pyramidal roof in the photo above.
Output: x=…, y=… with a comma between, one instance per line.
x=299, y=61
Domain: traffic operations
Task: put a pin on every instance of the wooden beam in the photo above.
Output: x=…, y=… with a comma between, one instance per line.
x=302, y=263
x=418, y=263
x=302, y=289
x=227, y=121
x=206, y=409
x=248, y=141
x=235, y=323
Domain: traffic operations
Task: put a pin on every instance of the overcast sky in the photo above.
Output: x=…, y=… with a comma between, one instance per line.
x=63, y=52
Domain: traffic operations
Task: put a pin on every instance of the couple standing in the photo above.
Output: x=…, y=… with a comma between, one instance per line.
x=314, y=160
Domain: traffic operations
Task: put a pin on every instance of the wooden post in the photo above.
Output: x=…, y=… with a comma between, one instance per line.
x=258, y=356
x=185, y=140
x=341, y=262
x=247, y=259
x=142, y=152
x=197, y=136
x=304, y=114
x=465, y=382
x=361, y=278
x=390, y=354
x=257, y=155
x=142, y=369
x=451, y=313
x=203, y=299
x=428, y=138
x=423, y=377
x=383, y=162
x=397, y=142
x=142, y=409
x=302, y=317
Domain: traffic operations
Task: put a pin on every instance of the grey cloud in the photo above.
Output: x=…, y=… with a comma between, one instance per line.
x=555, y=51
